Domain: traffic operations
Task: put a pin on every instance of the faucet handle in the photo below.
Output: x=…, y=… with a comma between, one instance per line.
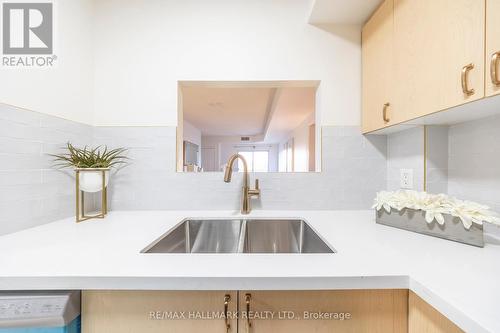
x=255, y=191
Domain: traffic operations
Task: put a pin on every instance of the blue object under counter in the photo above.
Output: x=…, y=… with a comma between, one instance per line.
x=73, y=327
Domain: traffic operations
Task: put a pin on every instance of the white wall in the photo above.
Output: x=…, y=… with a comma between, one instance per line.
x=300, y=137
x=301, y=145
x=191, y=133
x=281, y=157
x=113, y=72
x=144, y=47
x=67, y=90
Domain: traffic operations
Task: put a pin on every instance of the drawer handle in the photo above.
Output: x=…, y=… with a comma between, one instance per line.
x=384, y=113
x=227, y=298
x=465, y=80
x=248, y=298
x=493, y=69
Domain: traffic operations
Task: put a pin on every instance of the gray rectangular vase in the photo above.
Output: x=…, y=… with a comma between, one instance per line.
x=414, y=220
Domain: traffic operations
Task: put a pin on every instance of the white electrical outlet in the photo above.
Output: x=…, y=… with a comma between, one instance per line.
x=407, y=179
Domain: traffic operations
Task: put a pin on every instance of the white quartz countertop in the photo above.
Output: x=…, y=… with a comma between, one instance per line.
x=461, y=281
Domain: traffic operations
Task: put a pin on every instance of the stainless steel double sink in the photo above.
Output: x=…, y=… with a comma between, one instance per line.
x=240, y=236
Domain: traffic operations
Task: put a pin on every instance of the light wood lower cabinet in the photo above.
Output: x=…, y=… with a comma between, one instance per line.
x=323, y=311
x=423, y=318
x=155, y=311
x=373, y=311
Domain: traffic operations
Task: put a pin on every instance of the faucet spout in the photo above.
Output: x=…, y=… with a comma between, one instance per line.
x=247, y=192
x=229, y=169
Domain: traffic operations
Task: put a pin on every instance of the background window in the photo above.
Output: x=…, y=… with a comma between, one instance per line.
x=258, y=161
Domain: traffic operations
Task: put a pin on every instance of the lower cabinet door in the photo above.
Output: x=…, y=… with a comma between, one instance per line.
x=423, y=318
x=158, y=311
x=373, y=311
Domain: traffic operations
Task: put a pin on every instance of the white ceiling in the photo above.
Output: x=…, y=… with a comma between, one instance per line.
x=292, y=107
x=227, y=111
x=247, y=111
x=342, y=11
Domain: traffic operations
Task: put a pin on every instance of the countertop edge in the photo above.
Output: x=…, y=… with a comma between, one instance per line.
x=243, y=283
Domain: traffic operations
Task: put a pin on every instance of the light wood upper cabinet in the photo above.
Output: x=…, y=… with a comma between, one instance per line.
x=372, y=311
x=149, y=311
x=433, y=42
x=492, y=60
x=377, y=50
x=426, y=56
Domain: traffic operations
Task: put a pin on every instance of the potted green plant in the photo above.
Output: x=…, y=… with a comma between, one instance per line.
x=95, y=160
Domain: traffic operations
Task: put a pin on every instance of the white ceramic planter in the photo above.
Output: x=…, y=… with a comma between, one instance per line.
x=91, y=181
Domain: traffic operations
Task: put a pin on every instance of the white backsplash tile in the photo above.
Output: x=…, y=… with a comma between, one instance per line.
x=151, y=182
x=437, y=159
x=405, y=151
x=31, y=191
x=353, y=169
x=464, y=160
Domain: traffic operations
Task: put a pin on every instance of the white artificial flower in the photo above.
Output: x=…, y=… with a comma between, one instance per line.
x=434, y=214
x=383, y=200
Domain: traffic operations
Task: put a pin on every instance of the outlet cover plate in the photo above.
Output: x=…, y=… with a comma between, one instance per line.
x=406, y=179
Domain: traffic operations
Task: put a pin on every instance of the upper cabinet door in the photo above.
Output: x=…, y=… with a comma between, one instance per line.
x=438, y=54
x=492, y=47
x=377, y=57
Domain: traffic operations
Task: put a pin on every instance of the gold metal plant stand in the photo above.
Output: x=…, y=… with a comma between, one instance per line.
x=80, y=196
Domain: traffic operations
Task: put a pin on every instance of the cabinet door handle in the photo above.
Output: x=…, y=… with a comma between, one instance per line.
x=465, y=80
x=384, y=113
x=248, y=298
x=493, y=68
x=227, y=298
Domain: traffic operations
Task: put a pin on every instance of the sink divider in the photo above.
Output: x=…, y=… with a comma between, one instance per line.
x=301, y=236
x=188, y=239
x=243, y=234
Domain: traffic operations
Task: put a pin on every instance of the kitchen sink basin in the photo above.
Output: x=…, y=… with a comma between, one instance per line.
x=240, y=236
